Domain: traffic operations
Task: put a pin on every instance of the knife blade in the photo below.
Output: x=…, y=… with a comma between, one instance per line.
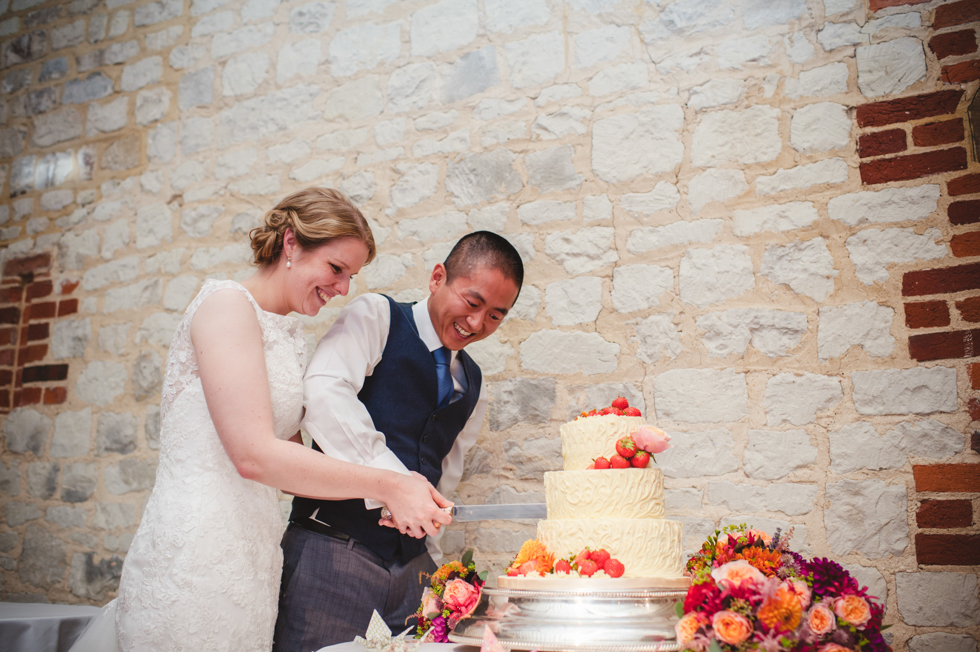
x=465, y=513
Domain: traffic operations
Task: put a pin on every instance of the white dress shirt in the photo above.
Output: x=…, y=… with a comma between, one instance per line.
x=337, y=420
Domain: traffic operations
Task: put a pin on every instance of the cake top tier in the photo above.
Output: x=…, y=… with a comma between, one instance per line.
x=587, y=438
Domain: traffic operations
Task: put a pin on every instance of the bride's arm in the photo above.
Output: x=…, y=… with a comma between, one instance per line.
x=228, y=344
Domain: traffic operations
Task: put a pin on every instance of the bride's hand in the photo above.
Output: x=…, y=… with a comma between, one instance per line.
x=416, y=507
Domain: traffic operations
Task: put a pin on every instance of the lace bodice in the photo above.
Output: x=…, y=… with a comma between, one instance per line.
x=203, y=570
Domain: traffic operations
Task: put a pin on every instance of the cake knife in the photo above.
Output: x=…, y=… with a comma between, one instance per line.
x=464, y=513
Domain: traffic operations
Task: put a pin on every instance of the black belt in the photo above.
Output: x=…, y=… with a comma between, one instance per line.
x=320, y=528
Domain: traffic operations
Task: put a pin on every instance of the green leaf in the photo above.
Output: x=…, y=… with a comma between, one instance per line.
x=714, y=647
x=483, y=575
x=467, y=557
x=434, y=614
x=679, y=608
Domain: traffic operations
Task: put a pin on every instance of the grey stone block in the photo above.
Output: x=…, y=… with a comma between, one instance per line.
x=531, y=458
x=8, y=541
x=110, y=516
x=42, y=558
x=868, y=517
x=24, y=48
x=116, y=433
x=78, y=482
x=311, y=18
x=42, y=479
x=157, y=12
x=152, y=427
x=521, y=400
x=94, y=87
x=552, y=169
x=124, y=154
x=147, y=375
x=196, y=89
x=130, y=475
x=938, y=599
x=66, y=517
x=91, y=579
x=472, y=73
x=9, y=478
x=69, y=337
x=699, y=454
x=20, y=513
x=482, y=177
x=26, y=430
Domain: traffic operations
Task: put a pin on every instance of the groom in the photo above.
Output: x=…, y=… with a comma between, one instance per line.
x=389, y=386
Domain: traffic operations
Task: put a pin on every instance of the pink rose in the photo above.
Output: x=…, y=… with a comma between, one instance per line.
x=802, y=592
x=431, y=603
x=854, y=609
x=821, y=619
x=688, y=626
x=652, y=440
x=461, y=596
x=736, y=572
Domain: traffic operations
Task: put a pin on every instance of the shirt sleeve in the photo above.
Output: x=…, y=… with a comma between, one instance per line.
x=452, y=465
x=335, y=418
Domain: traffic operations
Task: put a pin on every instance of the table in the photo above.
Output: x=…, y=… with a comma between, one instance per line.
x=425, y=647
x=32, y=627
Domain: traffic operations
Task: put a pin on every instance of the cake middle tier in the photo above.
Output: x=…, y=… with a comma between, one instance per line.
x=647, y=547
x=610, y=493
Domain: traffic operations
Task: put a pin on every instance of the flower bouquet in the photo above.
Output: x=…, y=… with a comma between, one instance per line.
x=453, y=593
x=750, y=592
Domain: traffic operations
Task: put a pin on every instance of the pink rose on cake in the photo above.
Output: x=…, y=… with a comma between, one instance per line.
x=652, y=440
x=461, y=597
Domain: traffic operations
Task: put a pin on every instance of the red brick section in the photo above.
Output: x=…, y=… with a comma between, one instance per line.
x=957, y=478
x=975, y=441
x=27, y=306
x=938, y=133
x=913, y=166
x=968, y=184
x=944, y=514
x=882, y=142
x=973, y=405
x=881, y=4
x=969, y=311
x=973, y=370
x=947, y=549
x=964, y=245
x=945, y=346
x=964, y=212
x=956, y=13
x=926, y=314
x=962, y=73
x=916, y=107
x=952, y=44
x=946, y=280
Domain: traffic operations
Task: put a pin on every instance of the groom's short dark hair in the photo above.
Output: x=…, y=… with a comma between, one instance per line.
x=484, y=248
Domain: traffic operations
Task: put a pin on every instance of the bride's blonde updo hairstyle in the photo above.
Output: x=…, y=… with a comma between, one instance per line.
x=316, y=216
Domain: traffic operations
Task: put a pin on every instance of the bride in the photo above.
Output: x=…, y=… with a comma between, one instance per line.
x=203, y=570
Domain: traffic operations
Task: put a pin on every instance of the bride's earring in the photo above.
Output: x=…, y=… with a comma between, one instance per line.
x=289, y=262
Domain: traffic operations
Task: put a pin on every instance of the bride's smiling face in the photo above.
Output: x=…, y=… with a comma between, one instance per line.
x=316, y=276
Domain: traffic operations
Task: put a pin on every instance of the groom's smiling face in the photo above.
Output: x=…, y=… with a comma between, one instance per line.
x=471, y=307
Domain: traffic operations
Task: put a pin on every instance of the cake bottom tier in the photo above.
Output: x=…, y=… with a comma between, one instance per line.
x=648, y=547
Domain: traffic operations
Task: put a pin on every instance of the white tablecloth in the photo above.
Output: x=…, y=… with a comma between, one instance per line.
x=31, y=627
x=425, y=647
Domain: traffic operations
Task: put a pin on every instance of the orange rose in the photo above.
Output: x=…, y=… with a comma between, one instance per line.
x=803, y=592
x=688, y=626
x=731, y=628
x=759, y=534
x=821, y=620
x=833, y=647
x=854, y=609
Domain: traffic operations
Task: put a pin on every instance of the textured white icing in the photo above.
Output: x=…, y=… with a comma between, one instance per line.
x=587, y=438
x=648, y=547
x=612, y=493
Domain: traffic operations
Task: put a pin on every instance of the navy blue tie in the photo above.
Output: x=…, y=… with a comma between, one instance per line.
x=443, y=358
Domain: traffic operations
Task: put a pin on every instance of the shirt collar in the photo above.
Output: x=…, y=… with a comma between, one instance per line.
x=427, y=332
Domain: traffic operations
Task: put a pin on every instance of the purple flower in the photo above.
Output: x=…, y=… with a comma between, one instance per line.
x=830, y=578
x=440, y=630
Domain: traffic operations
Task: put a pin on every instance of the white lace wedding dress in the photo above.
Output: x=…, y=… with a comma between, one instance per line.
x=203, y=571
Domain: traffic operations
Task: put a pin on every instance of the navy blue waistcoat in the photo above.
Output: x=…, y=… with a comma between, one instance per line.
x=402, y=396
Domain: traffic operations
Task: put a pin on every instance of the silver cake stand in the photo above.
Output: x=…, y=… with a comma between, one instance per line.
x=604, y=620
